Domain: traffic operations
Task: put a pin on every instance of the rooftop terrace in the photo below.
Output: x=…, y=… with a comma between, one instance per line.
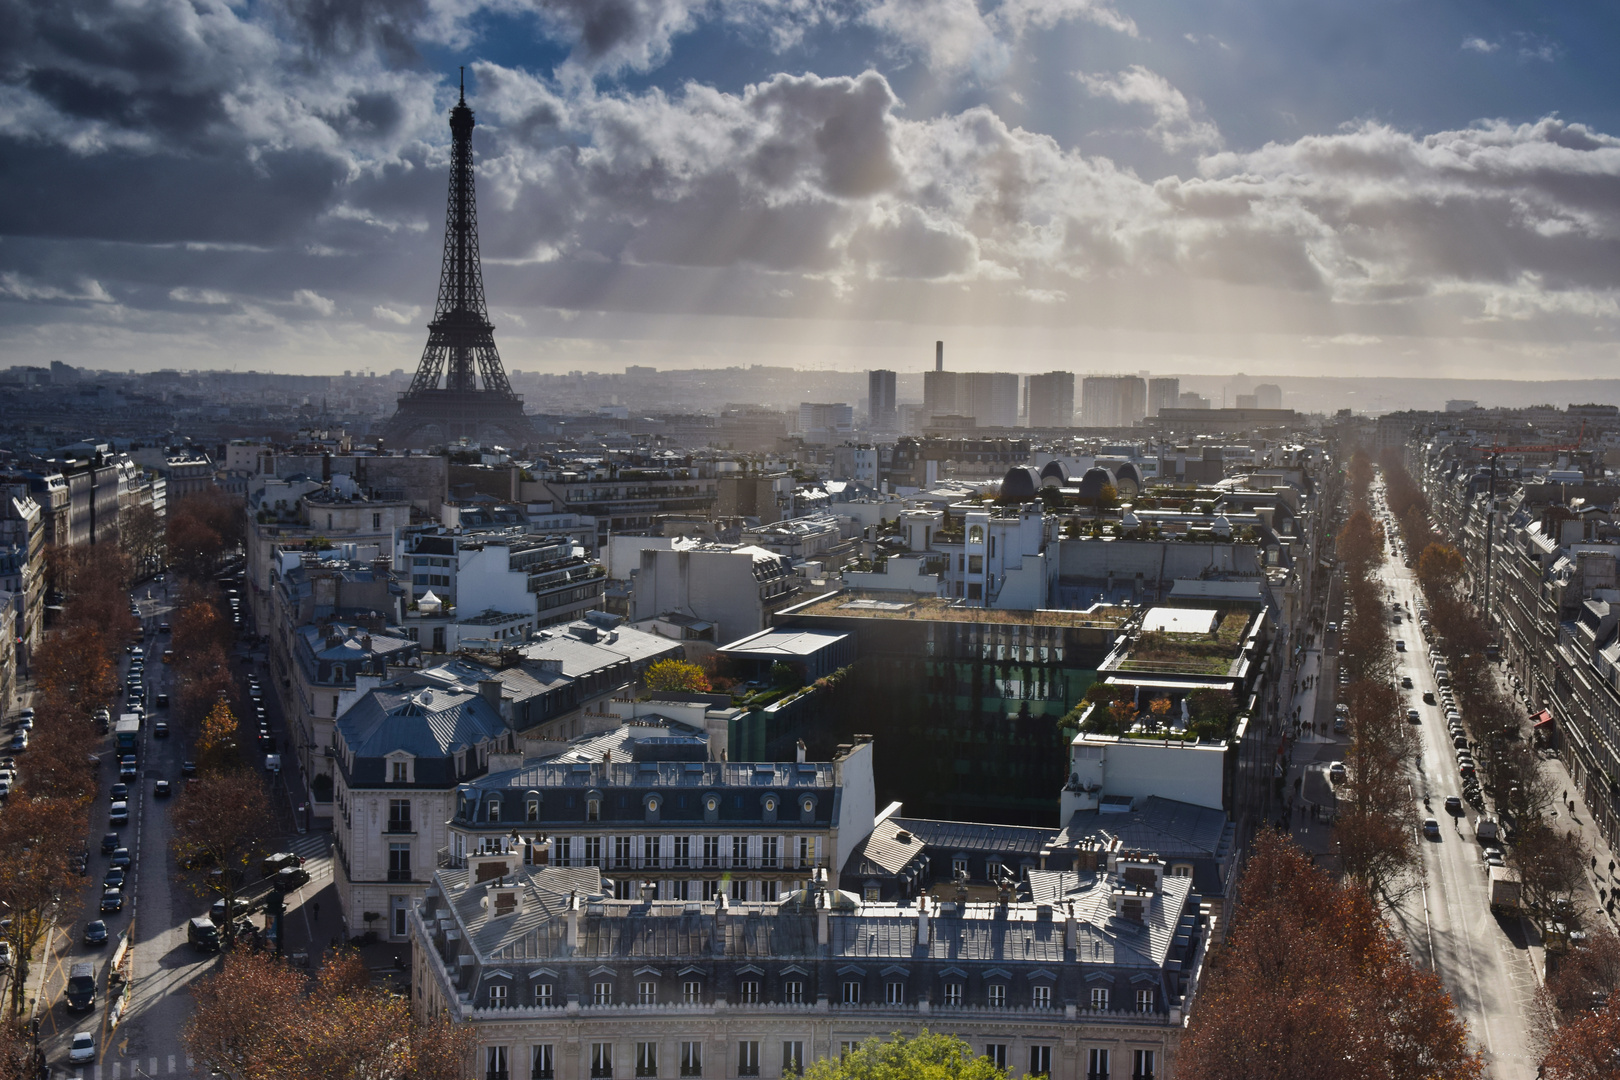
x=888, y=605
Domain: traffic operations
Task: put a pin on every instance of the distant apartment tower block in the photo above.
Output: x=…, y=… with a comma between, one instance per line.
x=1110, y=401
x=990, y=397
x=1163, y=394
x=826, y=421
x=1267, y=396
x=880, y=400
x=1051, y=400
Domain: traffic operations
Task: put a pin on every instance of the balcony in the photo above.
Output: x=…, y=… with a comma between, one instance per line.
x=400, y=875
x=400, y=825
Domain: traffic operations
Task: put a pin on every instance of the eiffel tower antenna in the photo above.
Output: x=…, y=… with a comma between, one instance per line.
x=445, y=402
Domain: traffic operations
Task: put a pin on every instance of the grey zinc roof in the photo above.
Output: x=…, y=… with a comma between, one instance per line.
x=974, y=836
x=1167, y=827
x=579, y=657
x=423, y=722
x=786, y=643
x=885, y=848
x=1104, y=935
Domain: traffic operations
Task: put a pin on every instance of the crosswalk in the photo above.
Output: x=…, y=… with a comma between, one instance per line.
x=133, y=1068
x=316, y=848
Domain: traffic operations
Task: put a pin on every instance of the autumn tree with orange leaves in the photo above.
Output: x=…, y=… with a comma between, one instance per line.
x=256, y=1017
x=1311, y=983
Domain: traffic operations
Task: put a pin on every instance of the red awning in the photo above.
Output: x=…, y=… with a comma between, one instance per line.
x=1543, y=718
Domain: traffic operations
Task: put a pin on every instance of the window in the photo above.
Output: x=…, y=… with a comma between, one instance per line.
x=804, y=852
x=401, y=773
x=998, y=995
x=768, y=891
x=334, y=704
x=399, y=811
x=495, y=1063
x=563, y=847
x=601, y=1060
x=495, y=809
x=894, y=993
x=739, y=851
x=748, y=992
x=602, y=993
x=542, y=995
x=497, y=996
x=711, y=851
x=692, y=992
x=792, y=1057
x=531, y=810
x=399, y=862
x=793, y=992
x=376, y=521
x=593, y=850
x=1041, y=997
x=711, y=889
x=975, y=564
x=682, y=855
x=678, y=890
x=852, y=992
x=1099, y=997
x=953, y=993
x=997, y=1053
x=1144, y=1001
x=692, y=1059
x=647, y=992
x=1096, y=1064
x=646, y=1059
x=959, y=866
x=739, y=888
x=621, y=853
x=748, y=1058
x=845, y=1049
x=1040, y=1061
x=1142, y=1065
x=767, y=851
x=593, y=809
x=543, y=1062
x=649, y=850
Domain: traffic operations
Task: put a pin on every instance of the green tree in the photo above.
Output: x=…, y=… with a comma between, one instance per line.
x=677, y=675
x=926, y=1057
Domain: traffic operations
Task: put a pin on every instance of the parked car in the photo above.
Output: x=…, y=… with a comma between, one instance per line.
x=1336, y=772
x=188, y=768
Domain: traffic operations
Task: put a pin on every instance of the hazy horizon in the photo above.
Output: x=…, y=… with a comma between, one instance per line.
x=1045, y=184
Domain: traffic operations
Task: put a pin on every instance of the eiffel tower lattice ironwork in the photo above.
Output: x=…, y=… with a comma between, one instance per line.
x=461, y=342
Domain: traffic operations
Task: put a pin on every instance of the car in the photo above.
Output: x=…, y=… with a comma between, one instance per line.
x=112, y=901
x=289, y=878
x=163, y=701
x=113, y=878
x=1400, y=645
x=1339, y=726
x=1406, y=682
x=19, y=742
x=138, y=651
x=118, y=813
x=273, y=864
x=1460, y=742
x=1333, y=628
x=1413, y=716
x=119, y=793
x=217, y=912
x=1466, y=768
x=162, y=790
x=1336, y=772
x=25, y=724
x=160, y=730
x=121, y=857
x=5, y=789
x=109, y=843
x=163, y=628
x=83, y=1049
x=1431, y=828
x=188, y=768
x=5, y=954
x=26, y=714
x=1428, y=697
x=127, y=771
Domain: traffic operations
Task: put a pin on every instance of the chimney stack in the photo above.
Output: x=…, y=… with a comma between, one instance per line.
x=802, y=751
x=573, y=921
x=939, y=356
x=1071, y=930
x=922, y=919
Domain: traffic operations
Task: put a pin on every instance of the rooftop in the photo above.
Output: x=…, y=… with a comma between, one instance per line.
x=892, y=605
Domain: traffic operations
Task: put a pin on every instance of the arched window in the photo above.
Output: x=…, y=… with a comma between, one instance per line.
x=976, y=534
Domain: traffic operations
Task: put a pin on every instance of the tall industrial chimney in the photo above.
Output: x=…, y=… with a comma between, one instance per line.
x=939, y=356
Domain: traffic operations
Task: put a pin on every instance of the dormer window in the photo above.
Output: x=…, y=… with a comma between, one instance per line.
x=495, y=809
x=401, y=773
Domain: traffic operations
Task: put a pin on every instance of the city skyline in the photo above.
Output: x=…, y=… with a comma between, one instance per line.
x=1057, y=186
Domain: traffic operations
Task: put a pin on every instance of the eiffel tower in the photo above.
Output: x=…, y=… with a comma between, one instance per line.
x=461, y=341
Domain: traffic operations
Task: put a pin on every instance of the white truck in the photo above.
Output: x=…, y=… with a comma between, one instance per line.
x=1506, y=892
x=1485, y=830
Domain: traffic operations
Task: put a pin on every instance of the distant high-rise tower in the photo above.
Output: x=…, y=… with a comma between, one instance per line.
x=880, y=401
x=1051, y=400
x=461, y=341
x=1112, y=400
x=1268, y=396
x=1163, y=393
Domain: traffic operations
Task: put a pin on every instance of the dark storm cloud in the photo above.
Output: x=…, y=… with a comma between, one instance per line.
x=345, y=27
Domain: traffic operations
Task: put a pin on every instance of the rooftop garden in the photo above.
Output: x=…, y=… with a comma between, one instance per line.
x=1211, y=715
x=1196, y=654
x=943, y=609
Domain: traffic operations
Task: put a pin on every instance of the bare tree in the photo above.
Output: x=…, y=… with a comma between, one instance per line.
x=219, y=830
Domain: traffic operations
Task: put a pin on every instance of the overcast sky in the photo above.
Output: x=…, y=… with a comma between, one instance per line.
x=1312, y=186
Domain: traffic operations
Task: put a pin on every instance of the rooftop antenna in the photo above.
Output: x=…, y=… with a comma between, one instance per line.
x=464, y=84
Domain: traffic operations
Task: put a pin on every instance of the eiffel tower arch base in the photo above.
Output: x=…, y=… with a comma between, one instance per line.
x=429, y=418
